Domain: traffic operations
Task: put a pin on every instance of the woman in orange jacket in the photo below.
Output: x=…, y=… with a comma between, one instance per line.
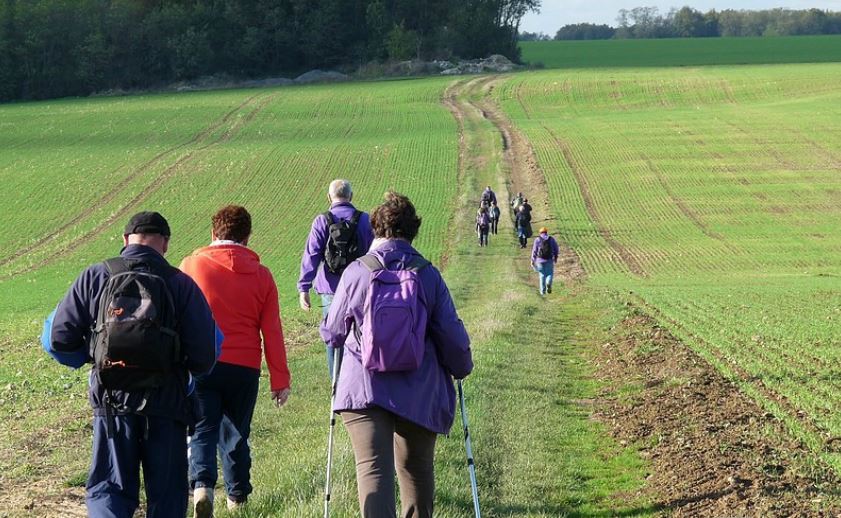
x=243, y=297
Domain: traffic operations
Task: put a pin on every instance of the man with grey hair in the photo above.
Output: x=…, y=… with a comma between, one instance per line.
x=337, y=238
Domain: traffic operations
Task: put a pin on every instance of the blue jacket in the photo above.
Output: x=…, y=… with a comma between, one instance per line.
x=67, y=339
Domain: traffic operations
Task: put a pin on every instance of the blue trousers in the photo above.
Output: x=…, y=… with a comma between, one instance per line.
x=225, y=400
x=157, y=445
x=546, y=271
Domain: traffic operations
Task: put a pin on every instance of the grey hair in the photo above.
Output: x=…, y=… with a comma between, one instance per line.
x=340, y=190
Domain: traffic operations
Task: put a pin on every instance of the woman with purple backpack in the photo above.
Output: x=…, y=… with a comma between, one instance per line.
x=404, y=343
x=544, y=256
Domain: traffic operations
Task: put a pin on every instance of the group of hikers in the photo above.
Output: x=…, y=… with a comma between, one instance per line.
x=487, y=217
x=176, y=356
x=177, y=352
x=545, y=250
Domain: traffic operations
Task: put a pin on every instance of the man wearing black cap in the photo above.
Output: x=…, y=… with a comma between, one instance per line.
x=146, y=327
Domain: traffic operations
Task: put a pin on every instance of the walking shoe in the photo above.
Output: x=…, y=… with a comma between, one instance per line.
x=203, y=502
x=548, y=288
x=234, y=505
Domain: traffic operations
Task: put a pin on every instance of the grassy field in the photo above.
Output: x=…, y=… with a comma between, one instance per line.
x=711, y=196
x=76, y=175
x=682, y=51
x=275, y=151
x=705, y=197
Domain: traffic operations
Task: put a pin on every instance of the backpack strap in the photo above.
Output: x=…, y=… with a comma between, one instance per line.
x=116, y=265
x=417, y=264
x=372, y=262
x=354, y=220
x=329, y=216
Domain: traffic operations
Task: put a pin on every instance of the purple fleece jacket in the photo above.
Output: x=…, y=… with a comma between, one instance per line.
x=552, y=244
x=425, y=396
x=311, y=261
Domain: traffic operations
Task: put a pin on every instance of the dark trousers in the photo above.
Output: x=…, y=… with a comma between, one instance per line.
x=494, y=225
x=157, y=445
x=482, y=232
x=383, y=442
x=225, y=401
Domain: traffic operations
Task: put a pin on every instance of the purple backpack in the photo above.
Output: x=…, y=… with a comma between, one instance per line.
x=394, y=326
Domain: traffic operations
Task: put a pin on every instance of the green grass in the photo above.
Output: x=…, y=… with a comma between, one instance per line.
x=713, y=196
x=274, y=151
x=682, y=51
x=275, y=154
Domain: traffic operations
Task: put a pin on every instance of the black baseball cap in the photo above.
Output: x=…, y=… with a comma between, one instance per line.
x=147, y=223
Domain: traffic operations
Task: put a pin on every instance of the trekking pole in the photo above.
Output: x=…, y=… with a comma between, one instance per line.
x=337, y=366
x=470, y=464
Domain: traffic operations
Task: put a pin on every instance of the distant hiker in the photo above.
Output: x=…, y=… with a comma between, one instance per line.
x=145, y=326
x=516, y=202
x=526, y=206
x=393, y=403
x=336, y=239
x=488, y=197
x=544, y=256
x=522, y=220
x=483, y=225
x=494, y=218
x=243, y=296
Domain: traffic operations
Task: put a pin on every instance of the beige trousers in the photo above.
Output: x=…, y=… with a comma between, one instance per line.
x=382, y=443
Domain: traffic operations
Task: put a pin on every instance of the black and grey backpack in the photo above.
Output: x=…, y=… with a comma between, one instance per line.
x=135, y=344
x=342, y=243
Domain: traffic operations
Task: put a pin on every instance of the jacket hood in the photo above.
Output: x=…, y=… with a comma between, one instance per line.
x=236, y=258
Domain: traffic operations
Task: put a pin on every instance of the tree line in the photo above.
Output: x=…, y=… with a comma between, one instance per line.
x=648, y=22
x=54, y=48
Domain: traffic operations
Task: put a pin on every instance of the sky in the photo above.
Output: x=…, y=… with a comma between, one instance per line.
x=556, y=13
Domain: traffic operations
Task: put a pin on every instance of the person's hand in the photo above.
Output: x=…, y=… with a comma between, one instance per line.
x=304, y=300
x=280, y=396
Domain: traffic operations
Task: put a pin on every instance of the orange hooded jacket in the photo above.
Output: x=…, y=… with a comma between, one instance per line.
x=243, y=297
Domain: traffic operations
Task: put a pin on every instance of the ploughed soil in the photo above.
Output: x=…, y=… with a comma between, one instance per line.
x=713, y=451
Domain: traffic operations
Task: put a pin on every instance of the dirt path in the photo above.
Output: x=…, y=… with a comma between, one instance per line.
x=713, y=451
x=524, y=172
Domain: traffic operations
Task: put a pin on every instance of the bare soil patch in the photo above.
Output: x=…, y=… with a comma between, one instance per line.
x=713, y=451
x=46, y=499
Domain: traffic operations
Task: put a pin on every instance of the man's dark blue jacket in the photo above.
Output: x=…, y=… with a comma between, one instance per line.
x=74, y=318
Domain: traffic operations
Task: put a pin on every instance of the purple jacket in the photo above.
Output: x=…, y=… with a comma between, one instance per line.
x=552, y=244
x=425, y=396
x=311, y=261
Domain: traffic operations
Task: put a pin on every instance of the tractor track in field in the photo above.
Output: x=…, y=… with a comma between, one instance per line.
x=450, y=101
x=621, y=251
x=684, y=208
x=252, y=106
